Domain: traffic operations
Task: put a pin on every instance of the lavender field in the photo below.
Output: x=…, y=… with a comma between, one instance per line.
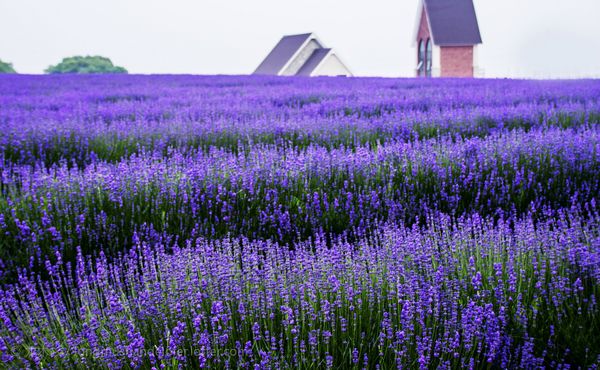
x=166, y=222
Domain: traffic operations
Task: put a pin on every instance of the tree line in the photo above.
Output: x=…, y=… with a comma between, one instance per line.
x=75, y=64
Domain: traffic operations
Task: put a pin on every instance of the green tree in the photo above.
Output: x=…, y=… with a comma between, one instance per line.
x=6, y=67
x=87, y=64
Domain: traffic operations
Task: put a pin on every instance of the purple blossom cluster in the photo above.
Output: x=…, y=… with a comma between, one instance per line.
x=284, y=195
x=260, y=222
x=62, y=118
x=482, y=293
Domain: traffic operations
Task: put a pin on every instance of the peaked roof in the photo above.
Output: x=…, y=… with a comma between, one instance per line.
x=313, y=62
x=285, y=49
x=453, y=22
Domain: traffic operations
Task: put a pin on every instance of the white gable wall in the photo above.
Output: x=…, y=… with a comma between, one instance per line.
x=436, y=63
x=477, y=71
x=331, y=66
x=300, y=58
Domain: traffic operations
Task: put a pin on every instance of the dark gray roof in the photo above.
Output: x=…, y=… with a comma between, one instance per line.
x=453, y=22
x=281, y=54
x=313, y=61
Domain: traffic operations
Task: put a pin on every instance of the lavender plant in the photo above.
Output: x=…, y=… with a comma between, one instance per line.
x=258, y=222
x=482, y=294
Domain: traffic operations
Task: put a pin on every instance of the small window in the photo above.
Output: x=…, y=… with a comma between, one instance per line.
x=429, y=59
x=421, y=56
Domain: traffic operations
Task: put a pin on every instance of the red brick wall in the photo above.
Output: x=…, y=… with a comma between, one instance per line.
x=422, y=34
x=423, y=27
x=457, y=61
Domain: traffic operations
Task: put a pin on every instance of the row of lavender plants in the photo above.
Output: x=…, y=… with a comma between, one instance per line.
x=256, y=222
x=477, y=294
x=111, y=117
x=287, y=195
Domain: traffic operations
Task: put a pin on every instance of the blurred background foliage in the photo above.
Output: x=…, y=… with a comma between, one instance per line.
x=87, y=64
x=6, y=67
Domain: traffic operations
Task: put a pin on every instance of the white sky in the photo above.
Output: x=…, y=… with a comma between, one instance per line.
x=522, y=38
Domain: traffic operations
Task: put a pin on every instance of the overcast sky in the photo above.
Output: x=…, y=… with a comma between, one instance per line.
x=521, y=38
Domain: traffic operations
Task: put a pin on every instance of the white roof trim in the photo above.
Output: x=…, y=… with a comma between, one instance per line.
x=330, y=54
x=310, y=37
x=418, y=24
x=344, y=64
x=314, y=71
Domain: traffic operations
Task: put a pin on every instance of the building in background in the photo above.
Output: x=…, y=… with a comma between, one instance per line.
x=302, y=55
x=446, y=38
